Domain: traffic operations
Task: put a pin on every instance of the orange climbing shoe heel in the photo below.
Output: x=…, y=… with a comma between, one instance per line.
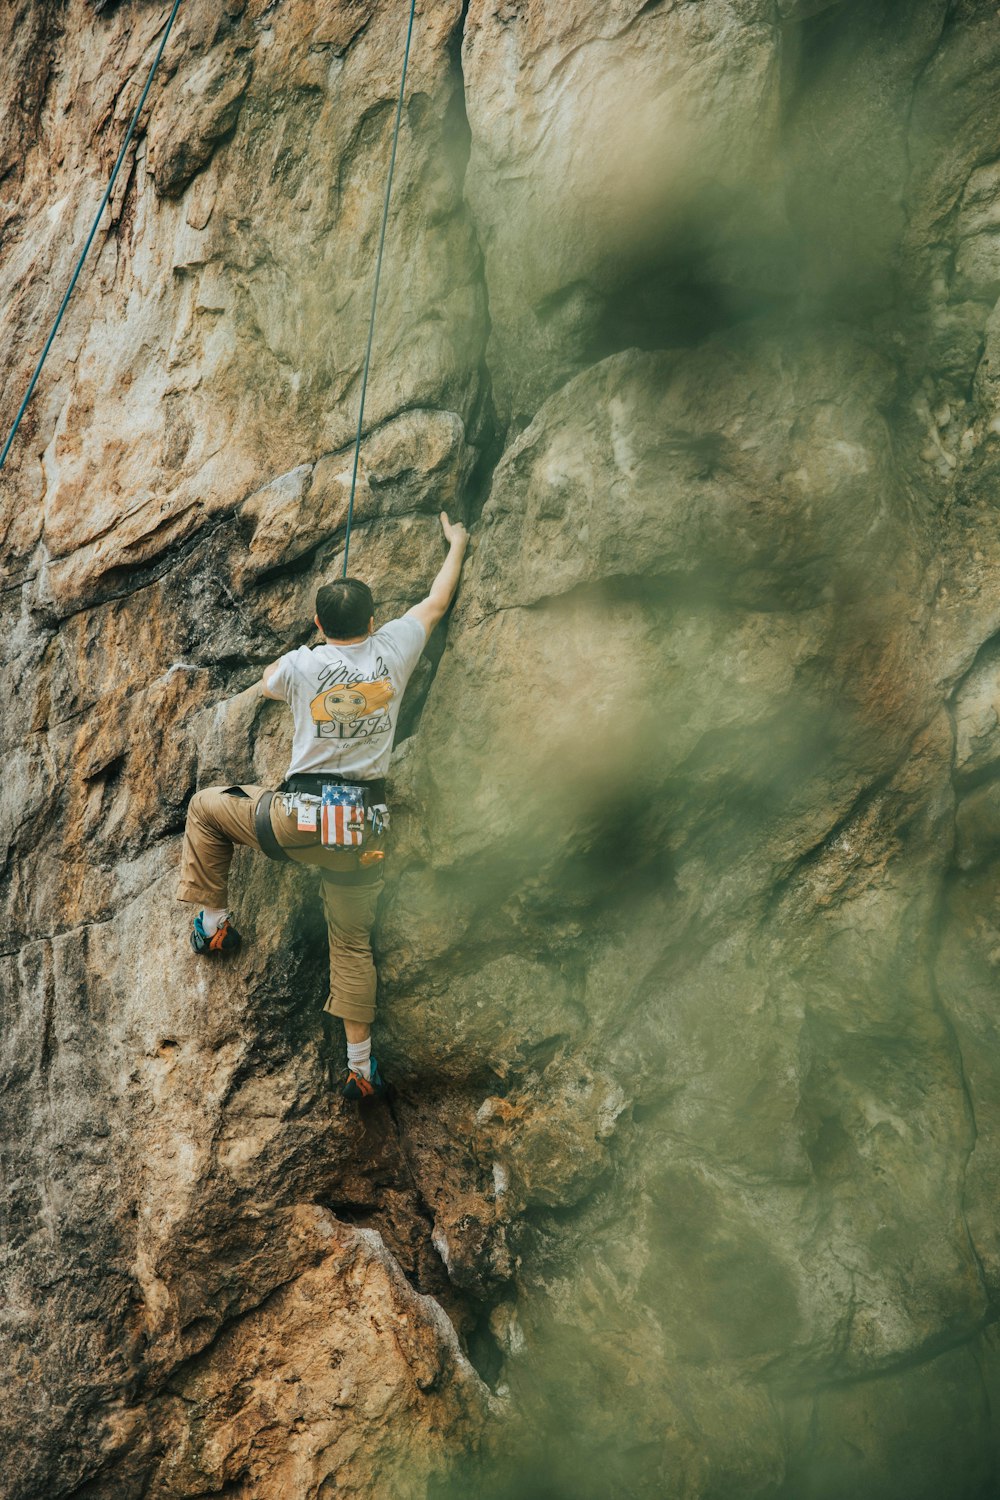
x=359, y=1087
x=225, y=940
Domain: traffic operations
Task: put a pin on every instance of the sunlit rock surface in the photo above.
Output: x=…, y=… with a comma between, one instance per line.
x=690, y=945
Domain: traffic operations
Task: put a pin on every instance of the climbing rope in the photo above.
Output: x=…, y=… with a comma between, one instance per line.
x=90, y=238
x=378, y=274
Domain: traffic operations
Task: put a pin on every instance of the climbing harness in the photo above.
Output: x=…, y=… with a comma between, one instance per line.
x=378, y=275
x=345, y=815
x=90, y=238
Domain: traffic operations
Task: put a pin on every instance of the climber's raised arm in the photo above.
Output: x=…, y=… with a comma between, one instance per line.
x=430, y=610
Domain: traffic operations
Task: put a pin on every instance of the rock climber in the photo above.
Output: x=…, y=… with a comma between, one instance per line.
x=330, y=811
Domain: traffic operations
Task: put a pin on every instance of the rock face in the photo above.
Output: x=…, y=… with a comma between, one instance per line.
x=690, y=943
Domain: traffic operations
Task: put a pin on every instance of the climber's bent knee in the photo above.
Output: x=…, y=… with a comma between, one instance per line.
x=217, y=819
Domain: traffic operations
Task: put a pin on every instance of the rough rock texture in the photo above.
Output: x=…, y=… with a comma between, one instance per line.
x=690, y=947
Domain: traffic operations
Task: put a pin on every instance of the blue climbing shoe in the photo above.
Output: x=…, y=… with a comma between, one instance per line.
x=359, y=1087
x=225, y=940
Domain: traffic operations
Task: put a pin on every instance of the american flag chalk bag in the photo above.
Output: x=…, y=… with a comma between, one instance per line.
x=342, y=817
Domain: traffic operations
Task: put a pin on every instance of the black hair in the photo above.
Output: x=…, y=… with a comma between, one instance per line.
x=344, y=608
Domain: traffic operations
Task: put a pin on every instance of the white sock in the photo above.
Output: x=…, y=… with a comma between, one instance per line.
x=359, y=1057
x=212, y=918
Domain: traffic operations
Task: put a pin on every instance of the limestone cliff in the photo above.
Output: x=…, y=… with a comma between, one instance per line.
x=689, y=948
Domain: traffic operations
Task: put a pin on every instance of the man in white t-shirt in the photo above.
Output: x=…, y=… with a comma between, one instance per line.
x=344, y=695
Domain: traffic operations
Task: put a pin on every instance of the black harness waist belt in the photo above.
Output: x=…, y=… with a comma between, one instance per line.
x=313, y=783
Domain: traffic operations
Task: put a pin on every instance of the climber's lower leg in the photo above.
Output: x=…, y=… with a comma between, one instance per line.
x=350, y=912
x=363, y=1076
x=359, y=1048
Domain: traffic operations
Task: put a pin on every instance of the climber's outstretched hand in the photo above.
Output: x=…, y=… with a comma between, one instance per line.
x=454, y=531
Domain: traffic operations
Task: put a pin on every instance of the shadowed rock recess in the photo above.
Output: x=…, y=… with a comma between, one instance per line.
x=689, y=951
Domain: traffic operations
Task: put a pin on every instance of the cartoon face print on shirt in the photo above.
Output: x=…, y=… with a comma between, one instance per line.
x=349, y=711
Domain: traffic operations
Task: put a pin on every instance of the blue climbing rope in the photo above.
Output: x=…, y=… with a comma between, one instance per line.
x=90, y=238
x=378, y=274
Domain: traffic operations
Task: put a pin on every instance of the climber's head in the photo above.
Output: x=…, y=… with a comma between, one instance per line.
x=345, y=609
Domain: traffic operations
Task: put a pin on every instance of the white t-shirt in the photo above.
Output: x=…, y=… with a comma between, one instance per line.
x=345, y=699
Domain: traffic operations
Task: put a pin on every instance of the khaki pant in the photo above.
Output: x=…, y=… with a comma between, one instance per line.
x=219, y=818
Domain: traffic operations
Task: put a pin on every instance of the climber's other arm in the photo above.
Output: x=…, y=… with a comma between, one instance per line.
x=430, y=610
x=265, y=680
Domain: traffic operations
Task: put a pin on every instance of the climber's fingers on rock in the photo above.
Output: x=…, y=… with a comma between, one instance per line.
x=454, y=530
